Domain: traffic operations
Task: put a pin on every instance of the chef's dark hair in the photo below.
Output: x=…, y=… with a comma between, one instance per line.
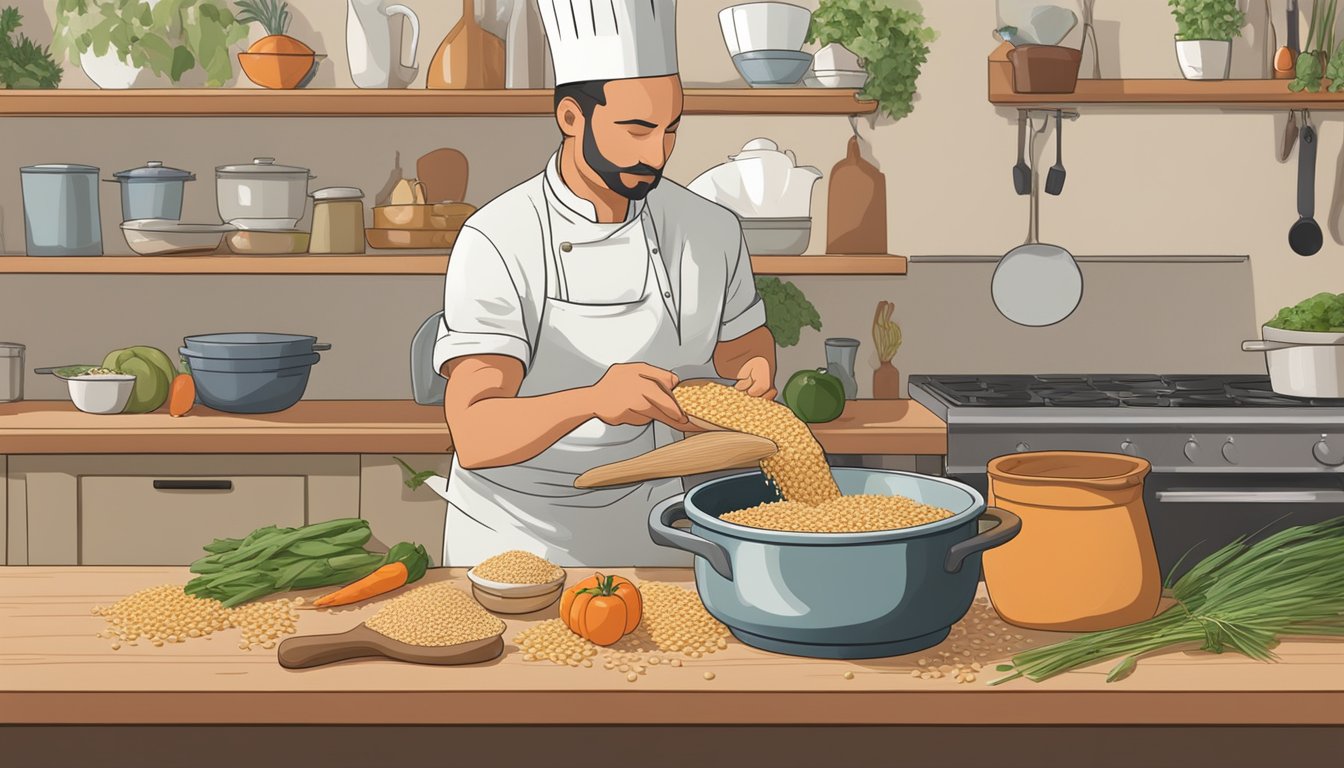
x=588, y=94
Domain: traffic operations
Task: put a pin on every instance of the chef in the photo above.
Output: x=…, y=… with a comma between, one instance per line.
x=577, y=300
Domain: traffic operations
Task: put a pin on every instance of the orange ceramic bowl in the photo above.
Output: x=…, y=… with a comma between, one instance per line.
x=278, y=70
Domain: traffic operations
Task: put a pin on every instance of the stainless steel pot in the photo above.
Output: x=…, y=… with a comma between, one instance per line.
x=835, y=595
x=1306, y=364
x=261, y=194
x=60, y=210
x=152, y=191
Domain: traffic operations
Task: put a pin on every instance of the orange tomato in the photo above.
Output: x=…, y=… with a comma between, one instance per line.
x=602, y=609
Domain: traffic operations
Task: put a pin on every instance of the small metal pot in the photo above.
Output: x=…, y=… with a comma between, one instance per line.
x=152, y=191
x=1307, y=364
x=60, y=210
x=835, y=595
x=261, y=194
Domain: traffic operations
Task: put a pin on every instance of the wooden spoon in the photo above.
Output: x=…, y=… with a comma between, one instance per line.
x=705, y=452
x=444, y=174
x=362, y=642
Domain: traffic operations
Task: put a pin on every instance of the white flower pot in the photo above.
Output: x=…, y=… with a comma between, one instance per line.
x=836, y=57
x=108, y=71
x=1204, y=59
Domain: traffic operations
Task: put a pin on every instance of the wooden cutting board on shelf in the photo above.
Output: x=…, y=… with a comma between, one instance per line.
x=444, y=174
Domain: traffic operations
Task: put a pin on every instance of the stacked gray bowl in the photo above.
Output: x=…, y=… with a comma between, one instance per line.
x=251, y=372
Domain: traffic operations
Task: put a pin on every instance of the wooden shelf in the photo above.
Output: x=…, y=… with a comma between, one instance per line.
x=350, y=102
x=381, y=264
x=1246, y=94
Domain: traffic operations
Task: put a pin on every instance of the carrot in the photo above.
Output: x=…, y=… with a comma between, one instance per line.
x=385, y=579
x=181, y=395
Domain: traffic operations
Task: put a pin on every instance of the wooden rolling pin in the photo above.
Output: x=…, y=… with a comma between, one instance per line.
x=708, y=451
x=362, y=642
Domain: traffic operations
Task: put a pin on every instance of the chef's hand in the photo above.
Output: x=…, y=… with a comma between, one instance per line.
x=636, y=394
x=754, y=379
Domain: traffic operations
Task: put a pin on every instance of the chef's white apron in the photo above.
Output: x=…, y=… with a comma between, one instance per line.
x=534, y=505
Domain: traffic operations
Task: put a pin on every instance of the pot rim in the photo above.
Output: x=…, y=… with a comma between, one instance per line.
x=1138, y=469
x=976, y=507
x=1321, y=338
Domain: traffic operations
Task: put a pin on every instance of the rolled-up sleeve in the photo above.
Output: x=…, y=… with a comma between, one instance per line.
x=743, y=310
x=482, y=307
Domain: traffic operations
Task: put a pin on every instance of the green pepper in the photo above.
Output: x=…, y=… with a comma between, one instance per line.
x=815, y=396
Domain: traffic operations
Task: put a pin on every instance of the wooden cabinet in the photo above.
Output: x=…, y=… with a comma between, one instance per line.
x=104, y=510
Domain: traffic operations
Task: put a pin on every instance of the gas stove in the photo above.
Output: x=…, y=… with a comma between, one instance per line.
x=1230, y=457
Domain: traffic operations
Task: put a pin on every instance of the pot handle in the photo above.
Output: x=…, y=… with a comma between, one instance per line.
x=1009, y=526
x=321, y=347
x=661, y=531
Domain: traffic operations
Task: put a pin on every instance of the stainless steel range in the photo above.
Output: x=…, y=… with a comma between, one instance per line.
x=1230, y=457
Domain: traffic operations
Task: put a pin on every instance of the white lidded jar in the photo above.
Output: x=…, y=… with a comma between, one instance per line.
x=338, y=221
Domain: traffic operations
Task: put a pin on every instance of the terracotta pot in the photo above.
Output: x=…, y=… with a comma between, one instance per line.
x=1085, y=560
x=886, y=381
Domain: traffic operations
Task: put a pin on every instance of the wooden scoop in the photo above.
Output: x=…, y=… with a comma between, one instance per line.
x=361, y=642
x=705, y=452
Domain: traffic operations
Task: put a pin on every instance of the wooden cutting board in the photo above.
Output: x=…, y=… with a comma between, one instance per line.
x=362, y=642
x=444, y=174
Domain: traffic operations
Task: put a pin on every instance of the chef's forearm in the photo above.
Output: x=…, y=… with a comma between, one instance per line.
x=731, y=355
x=500, y=431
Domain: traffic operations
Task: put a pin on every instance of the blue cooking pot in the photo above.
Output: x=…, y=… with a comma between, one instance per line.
x=836, y=595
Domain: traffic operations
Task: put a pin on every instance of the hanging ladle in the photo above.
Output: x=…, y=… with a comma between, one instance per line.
x=1305, y=236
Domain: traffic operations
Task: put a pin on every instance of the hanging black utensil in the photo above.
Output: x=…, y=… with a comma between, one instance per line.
x=1054, y=181
x=1021, y=171
x=1305, y=236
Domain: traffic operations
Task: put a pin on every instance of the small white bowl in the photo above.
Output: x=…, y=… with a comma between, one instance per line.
x=839, y=78
x=101, y=394
x=167, y=237
x=500, y=597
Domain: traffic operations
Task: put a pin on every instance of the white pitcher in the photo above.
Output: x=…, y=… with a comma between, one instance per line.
x=373, y=44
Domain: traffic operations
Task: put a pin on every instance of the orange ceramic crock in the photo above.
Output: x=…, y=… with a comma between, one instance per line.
x=1085, y=558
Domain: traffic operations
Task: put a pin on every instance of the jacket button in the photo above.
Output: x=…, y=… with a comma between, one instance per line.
x=667, y=294
x=566, y=247
x=655, y=251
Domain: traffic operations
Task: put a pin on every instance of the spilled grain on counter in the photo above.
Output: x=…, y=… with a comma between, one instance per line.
x=166, y=614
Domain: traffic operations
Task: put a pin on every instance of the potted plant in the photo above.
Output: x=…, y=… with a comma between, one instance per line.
x=1204, y=32
x=23, y=63
x=787, y=310
x=890, y=43
x=113, y=41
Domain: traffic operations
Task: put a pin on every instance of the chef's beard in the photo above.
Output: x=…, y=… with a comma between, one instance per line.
x=610, y=173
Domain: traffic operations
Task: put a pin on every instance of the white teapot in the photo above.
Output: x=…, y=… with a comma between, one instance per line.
x=760, y=182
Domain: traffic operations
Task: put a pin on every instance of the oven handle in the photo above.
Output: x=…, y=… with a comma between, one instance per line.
x=1215, y=496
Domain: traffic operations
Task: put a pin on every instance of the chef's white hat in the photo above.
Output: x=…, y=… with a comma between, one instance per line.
x=610, y=39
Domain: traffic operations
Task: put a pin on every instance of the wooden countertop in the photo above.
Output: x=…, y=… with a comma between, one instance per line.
x=53, y=670
x=375, y=426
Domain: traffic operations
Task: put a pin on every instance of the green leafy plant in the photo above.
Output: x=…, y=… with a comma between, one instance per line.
x=1312, y=63
x=1323, y=312
x=414, y=478
x=23, y=63
x=272, y=15
x=787, y=310
x=172, y=38
x=1207, y=19
x=892, y=42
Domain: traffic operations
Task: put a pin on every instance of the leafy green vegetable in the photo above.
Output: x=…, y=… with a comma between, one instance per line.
x=23, y=63
x=414, y=479
x=1243, y=598
x=1309, y=73
x=787, y=310
x=1322, y=312
x=172, y=38
x=1207, y=19
x=893, y=43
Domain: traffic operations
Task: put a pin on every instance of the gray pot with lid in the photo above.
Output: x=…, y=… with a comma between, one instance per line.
x=60, y=210
x=262, y=194
x=152, y=191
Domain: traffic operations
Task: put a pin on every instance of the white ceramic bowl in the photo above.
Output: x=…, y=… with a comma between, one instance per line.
x=101, y=394
x=777, y=237
x=839, y=78
x=167, y=237
x=836, y=58
x=764, y=27
x=501, y=597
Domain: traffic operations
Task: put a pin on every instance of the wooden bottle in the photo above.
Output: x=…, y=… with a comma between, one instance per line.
x=856, y=211
x=469, y=57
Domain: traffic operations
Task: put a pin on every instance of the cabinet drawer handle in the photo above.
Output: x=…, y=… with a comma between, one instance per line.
x=193, y=485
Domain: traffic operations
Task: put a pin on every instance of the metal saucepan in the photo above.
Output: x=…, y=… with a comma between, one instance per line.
x=835, y=595
x=1306, y=364
x=261, y=194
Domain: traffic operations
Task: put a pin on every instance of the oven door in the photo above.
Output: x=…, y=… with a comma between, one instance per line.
x=1193, y=515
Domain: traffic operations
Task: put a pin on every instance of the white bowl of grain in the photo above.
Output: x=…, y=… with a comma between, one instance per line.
x=516, y=582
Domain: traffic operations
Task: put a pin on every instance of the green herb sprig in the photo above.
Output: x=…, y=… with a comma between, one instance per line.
x=1323, y=312
x=787, y=310
x=1242, y=598
x=892, y=42
x=23, y=63
x=1207, y=19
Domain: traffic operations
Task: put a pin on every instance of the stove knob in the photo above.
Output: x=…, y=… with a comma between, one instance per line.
x=1230, y=452
x=1127, y=447
x=1326, y=455
x=1192, y=449
x=1023, y=447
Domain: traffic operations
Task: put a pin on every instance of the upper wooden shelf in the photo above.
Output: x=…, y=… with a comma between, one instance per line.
x=1247, y=94
x=382, y=264
x=351, y=102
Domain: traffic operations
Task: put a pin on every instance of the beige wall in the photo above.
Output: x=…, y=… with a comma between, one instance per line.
x=1159, y=182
